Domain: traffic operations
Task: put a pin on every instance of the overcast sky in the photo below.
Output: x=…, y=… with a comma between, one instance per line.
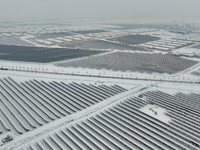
x=48, y=9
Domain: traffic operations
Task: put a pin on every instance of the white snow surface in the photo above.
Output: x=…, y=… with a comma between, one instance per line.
x=156, y=112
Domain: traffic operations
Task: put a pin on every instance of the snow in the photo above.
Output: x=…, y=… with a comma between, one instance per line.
x=156, y=112
x=136, y=83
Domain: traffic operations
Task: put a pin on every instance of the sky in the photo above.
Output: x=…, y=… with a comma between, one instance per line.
x=52, y=9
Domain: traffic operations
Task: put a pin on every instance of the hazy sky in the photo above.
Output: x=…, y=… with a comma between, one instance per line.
x=47, y=9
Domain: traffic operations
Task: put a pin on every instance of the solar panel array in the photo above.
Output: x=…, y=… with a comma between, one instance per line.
x=89, y=31
x=14, y=41
x=100, y=44
x=184, y=109
x=196, y=46
x=53, y=35
x=142, y=26
x=134, y=39
x=135, y=62
x=124, y=126
x=42, y=55
x=30, y=104
x=197, y=73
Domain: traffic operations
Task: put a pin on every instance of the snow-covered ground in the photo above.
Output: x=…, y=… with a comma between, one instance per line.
x=156, y=112
x=188, y=51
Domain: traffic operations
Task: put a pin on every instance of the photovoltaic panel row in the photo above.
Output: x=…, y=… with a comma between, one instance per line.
x=33, y=103
x=123, y=126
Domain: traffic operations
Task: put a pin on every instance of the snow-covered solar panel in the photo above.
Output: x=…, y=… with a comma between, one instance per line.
x=125, y=126
x=135, y=62
x=31, y=104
